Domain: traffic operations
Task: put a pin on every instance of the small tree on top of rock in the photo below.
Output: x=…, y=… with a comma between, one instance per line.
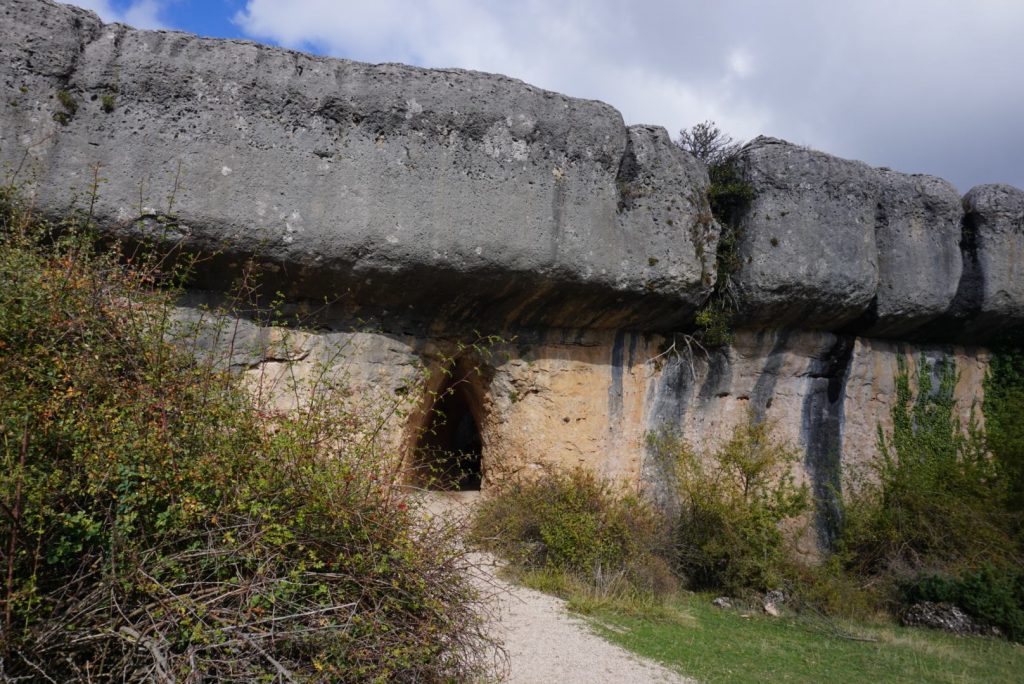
x=729, y=193
x=707, y=142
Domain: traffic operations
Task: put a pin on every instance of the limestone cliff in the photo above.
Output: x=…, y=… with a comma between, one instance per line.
x=427, y=204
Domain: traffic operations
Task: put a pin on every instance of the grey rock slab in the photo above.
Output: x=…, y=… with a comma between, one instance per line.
x=917, y=228
x=807, y=243
x=434, y=194
x=992, y=293
x=835, y=244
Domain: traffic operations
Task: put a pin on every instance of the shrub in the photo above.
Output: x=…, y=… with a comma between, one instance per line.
x=69, y=107
x=934, y=498
x=734, y=503
x=575, y=523
x=159, y=523
x=1004, y=416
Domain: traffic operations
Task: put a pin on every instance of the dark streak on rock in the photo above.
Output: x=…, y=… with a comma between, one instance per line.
x=666, y=407
x=615, y=388
x=764, y=388
x=822, y=428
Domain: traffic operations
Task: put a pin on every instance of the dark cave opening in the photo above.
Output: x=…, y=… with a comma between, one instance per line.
x=449, y=455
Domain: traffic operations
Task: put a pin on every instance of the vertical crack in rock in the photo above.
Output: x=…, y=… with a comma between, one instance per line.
x=629, y=171
x=970, y=289
x=822, y=431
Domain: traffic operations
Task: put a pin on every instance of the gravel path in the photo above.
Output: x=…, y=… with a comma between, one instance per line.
x=545, y=643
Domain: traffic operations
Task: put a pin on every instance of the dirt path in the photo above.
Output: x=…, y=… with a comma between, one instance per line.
x=545, y=643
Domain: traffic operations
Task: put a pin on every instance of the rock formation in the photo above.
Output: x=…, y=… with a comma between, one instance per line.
x=428, y=204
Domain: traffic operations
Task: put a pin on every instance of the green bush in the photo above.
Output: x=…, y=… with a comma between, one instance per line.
x=735, y=502
x=934, y=498
x=69, y=107
x=575, y=523
x=1004, y=416
x=992, y=595
x=159, y=523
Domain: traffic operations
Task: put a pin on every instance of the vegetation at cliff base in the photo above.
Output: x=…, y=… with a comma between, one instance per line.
x=577, y=525
x=159, y=523
x=1004, y=413
x=725, y=530
x=934, y=497
x=933, y=520
x=732, y=530
x=735, y=502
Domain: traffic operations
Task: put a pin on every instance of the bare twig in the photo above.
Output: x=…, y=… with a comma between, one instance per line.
x=673, y=350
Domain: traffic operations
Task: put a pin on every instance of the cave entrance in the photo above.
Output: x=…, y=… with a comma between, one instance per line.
x=449, y=455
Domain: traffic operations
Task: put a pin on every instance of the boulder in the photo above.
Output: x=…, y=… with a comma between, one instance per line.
x=942, y=616
x=807, y=243
x=430, y=194
x=835, y=244
x=917, y=230
x=991, y=294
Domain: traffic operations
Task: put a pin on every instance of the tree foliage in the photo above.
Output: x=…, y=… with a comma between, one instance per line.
x=728, y=197
x=708, y=143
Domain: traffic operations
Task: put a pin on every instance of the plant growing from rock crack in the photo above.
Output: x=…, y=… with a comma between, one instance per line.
x=69, y=107
x=728, y=196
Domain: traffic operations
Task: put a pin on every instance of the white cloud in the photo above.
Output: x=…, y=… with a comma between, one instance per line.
x=585, y=49
x=917, y=85
x=144, y=14
x=741, y=63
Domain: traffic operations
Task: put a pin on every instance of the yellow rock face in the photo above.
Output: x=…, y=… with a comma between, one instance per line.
x=564, y=399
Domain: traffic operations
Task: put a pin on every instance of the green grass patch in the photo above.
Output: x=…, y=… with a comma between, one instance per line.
x=736, y=646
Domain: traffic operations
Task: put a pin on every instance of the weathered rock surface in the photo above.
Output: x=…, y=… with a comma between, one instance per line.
x=515, y=204
x=807, y=243
x=426, y=198
x=991, y=293
x=829, y=242
x=917, y=229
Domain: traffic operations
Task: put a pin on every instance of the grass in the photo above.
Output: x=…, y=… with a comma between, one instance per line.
x=714, y=645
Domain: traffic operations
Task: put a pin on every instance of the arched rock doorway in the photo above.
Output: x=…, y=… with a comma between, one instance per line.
x=449, y=450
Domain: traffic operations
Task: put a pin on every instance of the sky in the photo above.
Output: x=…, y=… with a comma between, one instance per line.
x=919, y=86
